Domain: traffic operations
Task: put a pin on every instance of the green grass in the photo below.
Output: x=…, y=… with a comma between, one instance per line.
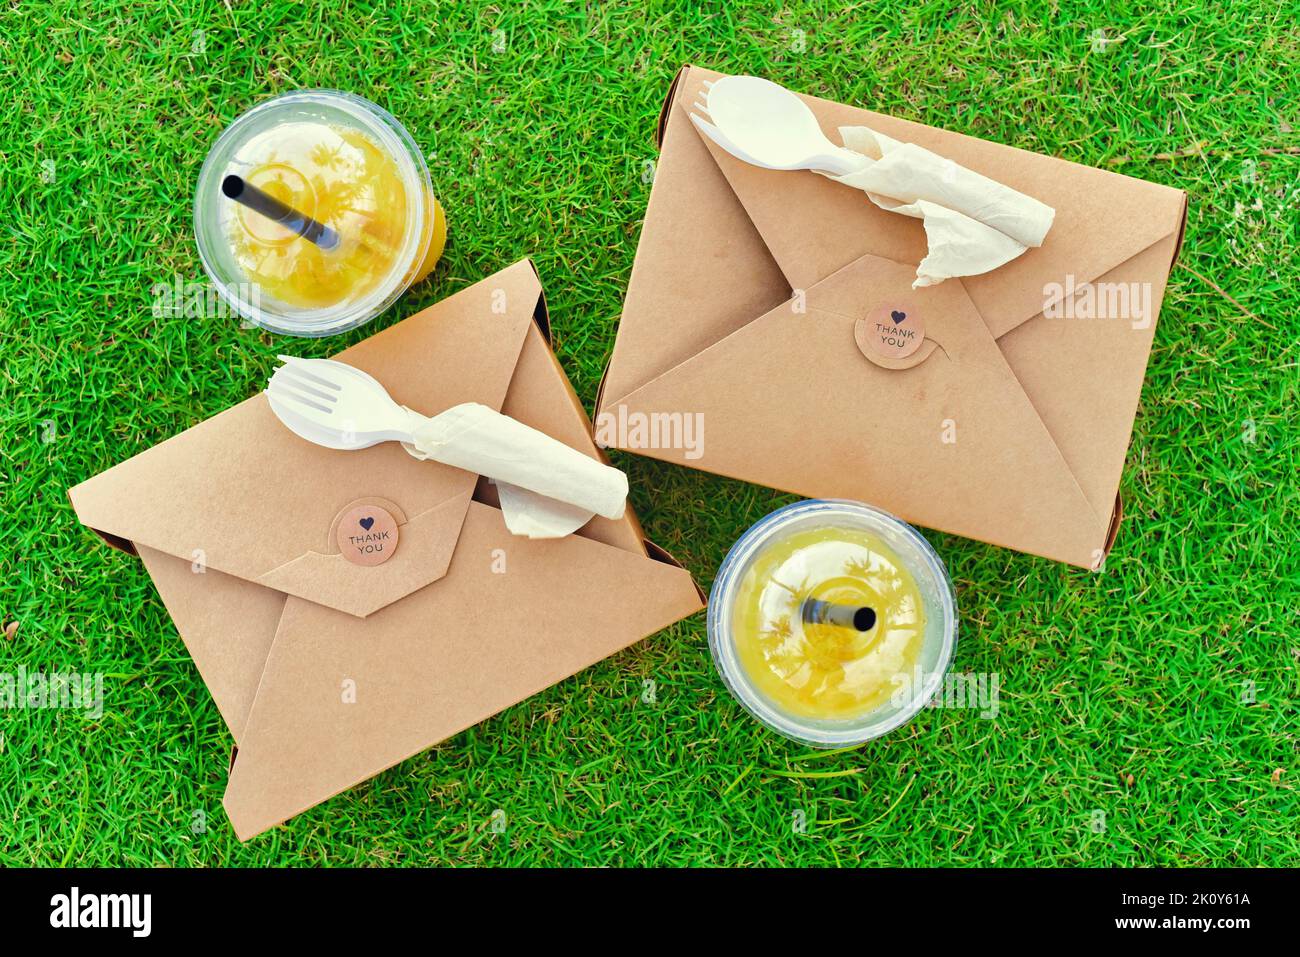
x=1122, y=692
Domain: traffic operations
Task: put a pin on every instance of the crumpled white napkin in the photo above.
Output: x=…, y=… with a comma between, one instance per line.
x=547, y=489
x=973, y=224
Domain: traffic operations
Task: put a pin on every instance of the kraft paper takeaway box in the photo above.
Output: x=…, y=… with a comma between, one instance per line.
x=752, y=289
x=328, y=672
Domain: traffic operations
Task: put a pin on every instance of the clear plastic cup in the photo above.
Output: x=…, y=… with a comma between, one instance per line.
x=937, y=633
x=337, y=159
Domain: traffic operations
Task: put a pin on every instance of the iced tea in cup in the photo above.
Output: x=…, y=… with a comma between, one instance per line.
x=314, y=212
x=832, y=622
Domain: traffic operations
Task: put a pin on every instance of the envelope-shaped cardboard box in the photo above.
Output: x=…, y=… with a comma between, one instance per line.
x=327, y=672
x=751, y=291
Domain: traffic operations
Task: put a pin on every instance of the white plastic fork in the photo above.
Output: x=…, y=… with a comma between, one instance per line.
x=341, y=407
x=764, y=124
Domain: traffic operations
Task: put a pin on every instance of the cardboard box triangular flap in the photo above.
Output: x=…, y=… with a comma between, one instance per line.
x=859, y=434
x=813, y=226
x=426, y=668
x=241, y=494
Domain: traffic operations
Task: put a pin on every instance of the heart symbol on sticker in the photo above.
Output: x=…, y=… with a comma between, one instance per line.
x=366, y=523
x=897, y=316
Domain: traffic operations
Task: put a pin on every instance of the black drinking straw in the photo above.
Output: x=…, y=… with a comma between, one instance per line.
x=246, y=194
x=846, y=616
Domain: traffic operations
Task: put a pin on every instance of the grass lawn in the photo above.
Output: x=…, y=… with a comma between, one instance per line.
x=1147, y=713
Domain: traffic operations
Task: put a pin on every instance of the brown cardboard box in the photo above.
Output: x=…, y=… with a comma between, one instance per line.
x=328, y=672
x=746, y=307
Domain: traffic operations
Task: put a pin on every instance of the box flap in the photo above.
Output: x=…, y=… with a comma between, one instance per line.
x=1103, y=219
x=241, y=494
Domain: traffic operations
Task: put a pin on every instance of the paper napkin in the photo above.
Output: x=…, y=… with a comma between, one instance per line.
x=973, y=224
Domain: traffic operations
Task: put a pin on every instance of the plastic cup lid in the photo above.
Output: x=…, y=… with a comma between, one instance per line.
x=334, y=214
x=921, y=561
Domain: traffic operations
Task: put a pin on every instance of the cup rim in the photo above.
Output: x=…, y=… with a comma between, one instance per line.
x=413, y=168
x=822, y=733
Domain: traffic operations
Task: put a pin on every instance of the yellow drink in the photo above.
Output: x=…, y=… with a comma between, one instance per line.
x=340, y=177
x=817, y=669
x=314, y=212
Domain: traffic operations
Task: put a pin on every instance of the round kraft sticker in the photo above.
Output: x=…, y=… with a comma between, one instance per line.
x=367, y=535
x=894, y=330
